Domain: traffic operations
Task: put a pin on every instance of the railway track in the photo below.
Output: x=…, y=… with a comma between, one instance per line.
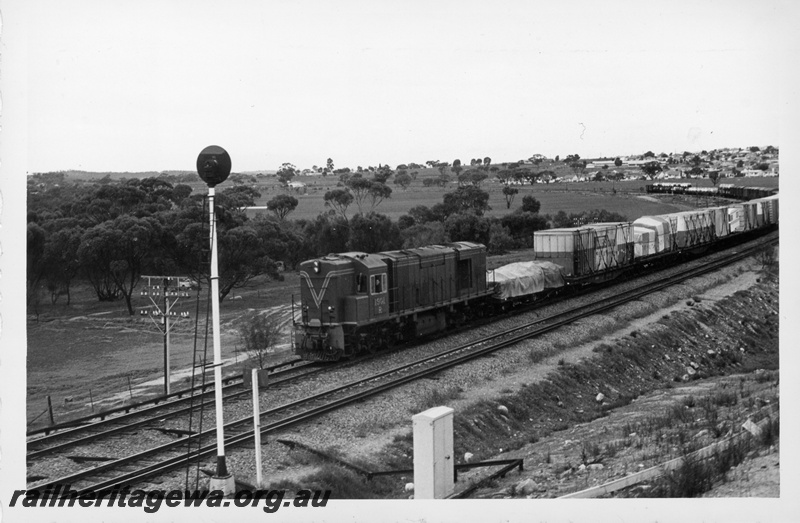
x=125, y=419
x=161, y=459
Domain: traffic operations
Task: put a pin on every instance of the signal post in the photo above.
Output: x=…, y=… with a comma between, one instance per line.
x=214, y=166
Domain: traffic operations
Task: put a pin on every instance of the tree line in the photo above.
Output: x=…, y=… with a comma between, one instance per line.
x=108, y=234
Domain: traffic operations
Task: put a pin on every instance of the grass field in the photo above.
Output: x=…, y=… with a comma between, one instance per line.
x=569, y=197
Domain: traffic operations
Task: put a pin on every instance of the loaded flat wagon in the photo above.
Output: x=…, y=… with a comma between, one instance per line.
x=524, y=279
x=589, y=251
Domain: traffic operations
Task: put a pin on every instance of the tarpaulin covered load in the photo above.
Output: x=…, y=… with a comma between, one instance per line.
x=524, y=278
x=769, y=208
x=719, y=218
x=691, y=228
x=742, y=217
x=586, y=250
x=651, y=235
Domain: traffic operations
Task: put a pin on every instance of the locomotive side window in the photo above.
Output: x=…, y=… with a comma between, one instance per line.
x=378, y=283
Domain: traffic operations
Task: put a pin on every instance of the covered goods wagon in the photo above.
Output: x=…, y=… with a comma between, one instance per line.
x=586, y=250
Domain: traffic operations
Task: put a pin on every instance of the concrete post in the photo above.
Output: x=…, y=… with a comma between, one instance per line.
x=434, y=463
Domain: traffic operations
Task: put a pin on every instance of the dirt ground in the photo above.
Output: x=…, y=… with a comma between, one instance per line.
x=90, y=355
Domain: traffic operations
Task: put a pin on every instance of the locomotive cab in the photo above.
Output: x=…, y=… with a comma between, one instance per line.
x=337, y=293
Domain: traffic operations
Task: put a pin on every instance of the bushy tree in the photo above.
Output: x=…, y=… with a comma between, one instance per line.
x=530, y=204
x=651, y=169
x=338, y=200
x=403, y=179
x=286, y=172
x=281, y=205
x=420, y=235
x=467, y=226
x=373, y=233
x=326, y=234
x=500, y=240
x=509, y=193
x=259, y=334
x=521, y=226
x=468, y=198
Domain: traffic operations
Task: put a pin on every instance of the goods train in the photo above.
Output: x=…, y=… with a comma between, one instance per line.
x=356, y=302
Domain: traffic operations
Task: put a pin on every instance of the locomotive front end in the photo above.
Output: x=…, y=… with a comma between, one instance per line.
x=324, y=283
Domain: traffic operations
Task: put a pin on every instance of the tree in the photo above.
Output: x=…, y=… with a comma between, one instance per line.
x=242, y=257
x=286, y=172
x=509, y=193
x=282, y=240
x=281, y=205
x=373, y=233
x=114, y=254
x=468, y=198
x=61, y=261
x=467, y=226
x=35, y=269
x=617, y=162
x=238, y=197
x=500, y=240
x=403, y=179
x=714, y=177
x=457, y=168
x=522, y=224
x=338, y=200
x=327, y=234
x=180, y=192
x=504, y=176
x=259, y=334
x=476, y=177
x=382, y=174
x=329, y=164
x=420, y=235
x=368, y=190
x=421, y=214
x=651, y=169
x=486, y=162
x=530, y=204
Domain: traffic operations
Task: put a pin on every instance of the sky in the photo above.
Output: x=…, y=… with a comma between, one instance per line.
x=146, y=85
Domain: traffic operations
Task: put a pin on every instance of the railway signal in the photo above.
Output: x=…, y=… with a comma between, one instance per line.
x=167, y=290
x=214, y=166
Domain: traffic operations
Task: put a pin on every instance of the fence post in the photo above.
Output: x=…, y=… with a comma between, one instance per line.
x=257, y=425
x=50, y=409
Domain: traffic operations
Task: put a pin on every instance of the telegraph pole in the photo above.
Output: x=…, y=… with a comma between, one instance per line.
x=166, y=287
x=214, y=166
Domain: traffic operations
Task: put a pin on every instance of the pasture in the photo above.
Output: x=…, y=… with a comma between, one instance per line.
x=627, y=197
